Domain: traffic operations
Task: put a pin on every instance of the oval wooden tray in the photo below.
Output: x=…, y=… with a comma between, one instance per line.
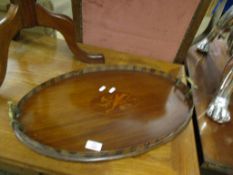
x=102, y=113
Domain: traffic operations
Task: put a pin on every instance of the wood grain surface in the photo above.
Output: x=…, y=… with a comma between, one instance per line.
x=106, y=106
x=216, y=139
x=28, y=13
x=37, y=58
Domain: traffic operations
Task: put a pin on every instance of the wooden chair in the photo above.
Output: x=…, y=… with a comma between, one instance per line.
x=28, y=13
x=158, y=161
x=160, y=29
x=159, y=37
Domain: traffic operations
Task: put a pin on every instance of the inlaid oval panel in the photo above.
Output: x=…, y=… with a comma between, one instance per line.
x=102, y=113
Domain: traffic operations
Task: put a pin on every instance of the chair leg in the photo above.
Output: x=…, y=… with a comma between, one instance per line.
x=66, y=27
x=9, y=26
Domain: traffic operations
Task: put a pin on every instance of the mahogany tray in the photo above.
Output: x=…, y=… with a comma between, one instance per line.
x=102, y=113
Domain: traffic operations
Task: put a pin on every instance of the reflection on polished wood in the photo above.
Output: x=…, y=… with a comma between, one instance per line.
x=102, y=104
x=34, y=60
x=216, y=139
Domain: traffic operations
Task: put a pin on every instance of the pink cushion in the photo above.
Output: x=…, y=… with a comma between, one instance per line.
x=153, y=28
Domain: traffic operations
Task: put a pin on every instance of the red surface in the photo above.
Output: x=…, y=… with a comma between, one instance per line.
x=152, y=28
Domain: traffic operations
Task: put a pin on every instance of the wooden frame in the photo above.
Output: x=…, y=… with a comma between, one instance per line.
x=77, y=18
x=186, y=42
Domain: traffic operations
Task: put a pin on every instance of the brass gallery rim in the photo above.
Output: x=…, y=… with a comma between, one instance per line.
x=18, y=119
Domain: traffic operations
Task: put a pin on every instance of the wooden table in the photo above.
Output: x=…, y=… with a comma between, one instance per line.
x=27, y=14
x=216, y=140
x=37, y=58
